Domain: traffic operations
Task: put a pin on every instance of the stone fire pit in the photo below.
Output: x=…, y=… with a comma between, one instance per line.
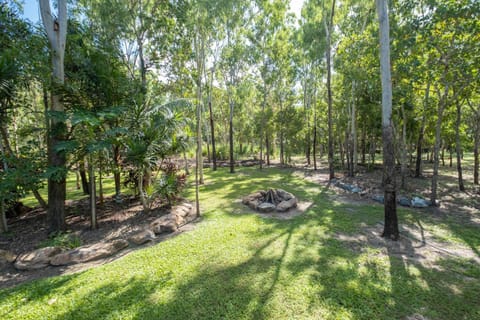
x=270, y=200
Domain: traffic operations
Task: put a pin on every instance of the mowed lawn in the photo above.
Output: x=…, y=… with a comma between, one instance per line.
x=236, y=265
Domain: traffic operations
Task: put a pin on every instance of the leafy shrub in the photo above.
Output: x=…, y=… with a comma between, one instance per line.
x=170, y=183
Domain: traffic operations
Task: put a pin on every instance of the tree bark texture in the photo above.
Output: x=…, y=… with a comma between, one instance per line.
x=93, y=196
x=328, y=30
x=56, y=30
x=418, y=162
x=390, y=204
x=458, y=147
x=212, y=131
x=116, y=170
x=436, y=149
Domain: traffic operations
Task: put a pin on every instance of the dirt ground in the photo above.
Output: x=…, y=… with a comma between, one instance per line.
x=416, y=245
x=115, y=221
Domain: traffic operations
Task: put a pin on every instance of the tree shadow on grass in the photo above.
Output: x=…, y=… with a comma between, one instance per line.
x=295, y=268
x=233, y=292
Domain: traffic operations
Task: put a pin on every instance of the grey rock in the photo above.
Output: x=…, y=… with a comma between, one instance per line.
x=418, y=202
x=89, y=253
x=284, y=194
x=142, y=237
x=356, y=190
x=404, y=201
x=166, y=223
x=287, y=205
x=37, y=259
x=378, y=198
x=266, y=207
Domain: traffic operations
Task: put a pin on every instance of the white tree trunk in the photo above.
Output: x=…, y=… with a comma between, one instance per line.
x=390, y=206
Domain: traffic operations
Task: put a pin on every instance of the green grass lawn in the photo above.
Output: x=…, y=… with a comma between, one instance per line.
x=73, y=193
x=241, y=266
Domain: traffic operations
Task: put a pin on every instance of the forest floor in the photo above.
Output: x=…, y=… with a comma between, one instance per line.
x=325, y=260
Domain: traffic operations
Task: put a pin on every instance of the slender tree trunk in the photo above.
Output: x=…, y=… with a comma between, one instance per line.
x=314, y=142
x=418, y=163
x=46, y=140
x=306, y=104
x=198, y=42
x=143, y=200
x=212, y=131
x=93, y=195
x=404, y=148
x=116, y=171
x=476, y=147
x=262, y=127
x=56, y=29
x=3, y=216
x=438, y=131
x=364, y=143
x=83, y=177
x=354, y=132
x=267, y=147
x=390, y=204
x=186, y=163
x=40, y=199
x=328, y=30
x=100, y=181
x=450, y=156
x=458, y=147
x=77, y=180
x=342, y=153
x=230, y=137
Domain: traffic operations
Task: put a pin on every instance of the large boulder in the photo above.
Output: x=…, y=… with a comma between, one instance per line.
x=6, y=257
x=179, y=215
x=142, y=237
x=287, y=205
x=37, y=259
x=166, y=223
x=89, y=253
x=418, y=202
x=284, y=195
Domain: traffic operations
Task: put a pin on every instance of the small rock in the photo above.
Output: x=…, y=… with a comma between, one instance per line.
x=404, y=201
x=378, y=198
x=356, y=190
x=89, y=253
x=37, y=259
x=142, y=237
x=418, y=202
x=266, y=207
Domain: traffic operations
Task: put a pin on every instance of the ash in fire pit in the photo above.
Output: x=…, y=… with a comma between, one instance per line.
x=271, y=200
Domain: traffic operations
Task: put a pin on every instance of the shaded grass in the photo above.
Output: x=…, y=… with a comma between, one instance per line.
x=241, y=266
x=73, y=193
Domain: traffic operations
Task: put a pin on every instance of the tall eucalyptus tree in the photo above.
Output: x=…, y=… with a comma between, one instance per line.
x=56, y=30
x=390, y=204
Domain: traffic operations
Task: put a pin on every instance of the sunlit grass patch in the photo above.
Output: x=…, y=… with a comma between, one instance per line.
x=238, y=265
